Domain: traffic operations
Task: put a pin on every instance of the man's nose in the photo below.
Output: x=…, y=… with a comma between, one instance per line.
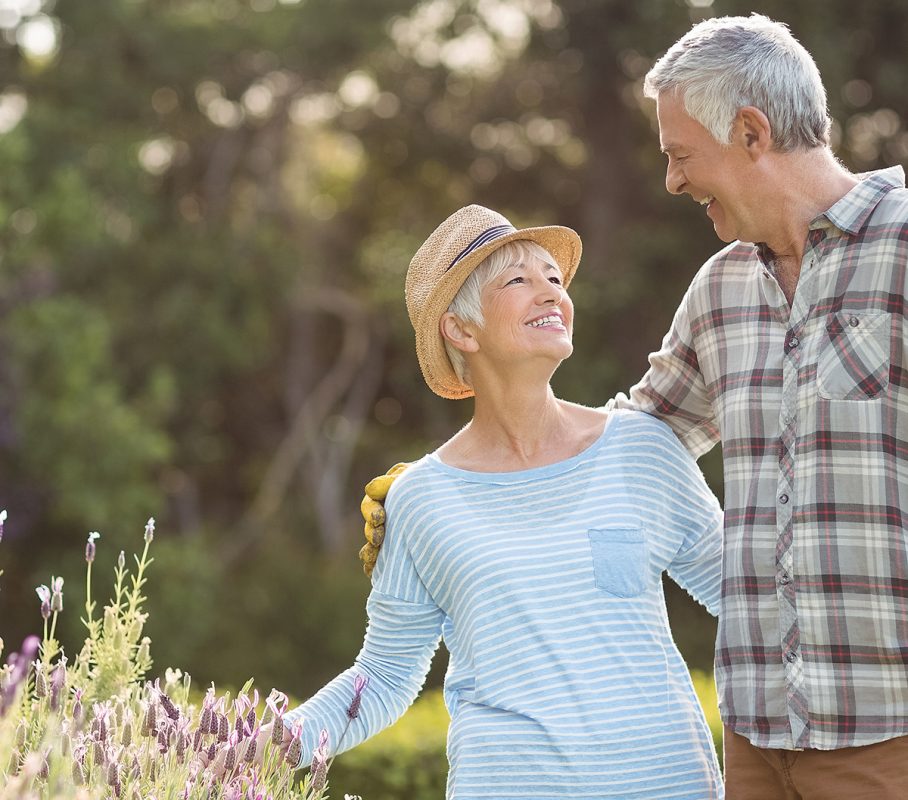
x=674, y=179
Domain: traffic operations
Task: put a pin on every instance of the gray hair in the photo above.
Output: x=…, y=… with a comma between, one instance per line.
x=467, y=303
x=726, y=63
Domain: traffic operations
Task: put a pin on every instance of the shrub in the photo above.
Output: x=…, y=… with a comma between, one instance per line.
x=95, y=729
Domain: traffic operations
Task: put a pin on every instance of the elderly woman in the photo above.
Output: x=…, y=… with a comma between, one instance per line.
x=533, y=542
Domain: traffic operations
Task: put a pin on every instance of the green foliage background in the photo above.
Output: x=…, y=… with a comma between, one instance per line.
x=206, y=212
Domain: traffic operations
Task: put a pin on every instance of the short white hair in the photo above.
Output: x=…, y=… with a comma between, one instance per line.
x=726, y=63
x=467, y=303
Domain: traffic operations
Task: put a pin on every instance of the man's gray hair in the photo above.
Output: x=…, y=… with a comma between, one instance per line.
x=726, y=63
x=467, y=303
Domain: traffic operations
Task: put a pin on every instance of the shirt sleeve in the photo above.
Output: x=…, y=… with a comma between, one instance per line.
x=400, y=640
x=697, y=566
x=402, y=634
x=673, y=388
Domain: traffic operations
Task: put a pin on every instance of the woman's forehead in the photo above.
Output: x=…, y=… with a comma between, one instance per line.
x=532, y=260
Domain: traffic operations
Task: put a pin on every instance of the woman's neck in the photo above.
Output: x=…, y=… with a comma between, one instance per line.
x=513, y=430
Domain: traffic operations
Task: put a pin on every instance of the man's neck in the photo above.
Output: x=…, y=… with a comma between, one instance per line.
x=799, y=187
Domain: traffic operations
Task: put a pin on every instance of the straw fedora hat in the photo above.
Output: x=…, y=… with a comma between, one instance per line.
x=445, y=260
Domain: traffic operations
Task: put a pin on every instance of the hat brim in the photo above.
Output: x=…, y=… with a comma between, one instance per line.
x=563, y=244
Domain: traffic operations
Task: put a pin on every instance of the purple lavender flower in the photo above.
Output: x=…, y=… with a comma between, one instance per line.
x=251, y=717
x=251, y=746
x=150, y=724
x=121, y=560
x=149, y=530
x=319, y=768
x=99, y=725
x=20, y=663
x=275, y=708
x=57, y=682
x=360, y=682
x=295, y=751
x=230, y=758
x=2, y=520
x=240, y=706
x=78, y=711
x=166, y=703
x=56, y=599
x=90, y=546
x=44, y=596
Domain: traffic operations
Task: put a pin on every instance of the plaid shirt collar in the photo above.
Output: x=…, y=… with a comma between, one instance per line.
x=850, y=214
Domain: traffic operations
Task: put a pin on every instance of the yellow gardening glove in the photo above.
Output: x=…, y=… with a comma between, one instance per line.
x=373, y=512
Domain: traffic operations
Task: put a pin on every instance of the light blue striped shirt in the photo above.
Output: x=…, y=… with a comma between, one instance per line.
x=545, y=584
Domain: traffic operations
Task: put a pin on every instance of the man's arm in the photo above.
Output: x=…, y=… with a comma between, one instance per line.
x=674, y=388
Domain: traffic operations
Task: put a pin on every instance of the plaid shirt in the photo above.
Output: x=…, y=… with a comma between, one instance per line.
x=811, y=405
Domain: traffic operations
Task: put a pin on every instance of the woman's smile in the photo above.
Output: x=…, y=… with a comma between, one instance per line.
x=551, y=320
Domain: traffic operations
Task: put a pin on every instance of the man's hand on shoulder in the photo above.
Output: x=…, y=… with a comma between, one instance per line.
x=373, y=511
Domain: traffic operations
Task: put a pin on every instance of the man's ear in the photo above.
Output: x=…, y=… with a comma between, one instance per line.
x=459, y=333
x=753, y=131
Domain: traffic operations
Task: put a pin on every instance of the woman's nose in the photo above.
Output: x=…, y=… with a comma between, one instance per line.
x=549, y=292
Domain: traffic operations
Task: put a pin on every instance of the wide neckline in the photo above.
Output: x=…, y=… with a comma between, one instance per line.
x=533, y=473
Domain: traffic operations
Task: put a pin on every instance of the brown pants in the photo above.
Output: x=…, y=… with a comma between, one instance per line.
x=873, y=772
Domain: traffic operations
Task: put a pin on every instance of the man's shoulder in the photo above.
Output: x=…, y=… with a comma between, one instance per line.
x=892, y=210
x=738, y=261
x=736, y=254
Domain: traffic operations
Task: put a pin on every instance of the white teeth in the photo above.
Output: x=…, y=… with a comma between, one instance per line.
x=545, y=321
x=706, y=200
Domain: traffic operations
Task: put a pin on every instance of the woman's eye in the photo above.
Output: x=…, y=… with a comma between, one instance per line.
x=518, y=279
x=556, y=281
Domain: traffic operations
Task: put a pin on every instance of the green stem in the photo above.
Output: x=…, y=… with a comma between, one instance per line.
x=135, y=597
x=89, y=608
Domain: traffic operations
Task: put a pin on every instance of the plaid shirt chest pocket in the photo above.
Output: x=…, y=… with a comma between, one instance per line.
x=855, y=353
x=620, y=560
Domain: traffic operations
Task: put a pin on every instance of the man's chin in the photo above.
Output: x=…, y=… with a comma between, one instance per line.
x=724, y=235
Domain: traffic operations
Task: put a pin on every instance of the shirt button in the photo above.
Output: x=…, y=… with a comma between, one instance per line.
x=783, y=499
x=854, y=322
x=791, y=657
x=793, y=342
x=784, y=579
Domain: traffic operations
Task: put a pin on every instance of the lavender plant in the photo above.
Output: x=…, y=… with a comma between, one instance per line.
x=98, y=729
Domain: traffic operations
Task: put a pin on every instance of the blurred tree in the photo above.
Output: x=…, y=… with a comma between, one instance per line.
x=206, y=213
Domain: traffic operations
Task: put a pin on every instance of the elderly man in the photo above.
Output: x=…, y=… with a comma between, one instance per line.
x=790, y=348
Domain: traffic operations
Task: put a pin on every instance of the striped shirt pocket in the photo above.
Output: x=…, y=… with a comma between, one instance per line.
x=620, y=560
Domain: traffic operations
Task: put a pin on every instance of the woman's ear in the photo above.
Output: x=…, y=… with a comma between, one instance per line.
x=753, y=130
x=459, y=333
